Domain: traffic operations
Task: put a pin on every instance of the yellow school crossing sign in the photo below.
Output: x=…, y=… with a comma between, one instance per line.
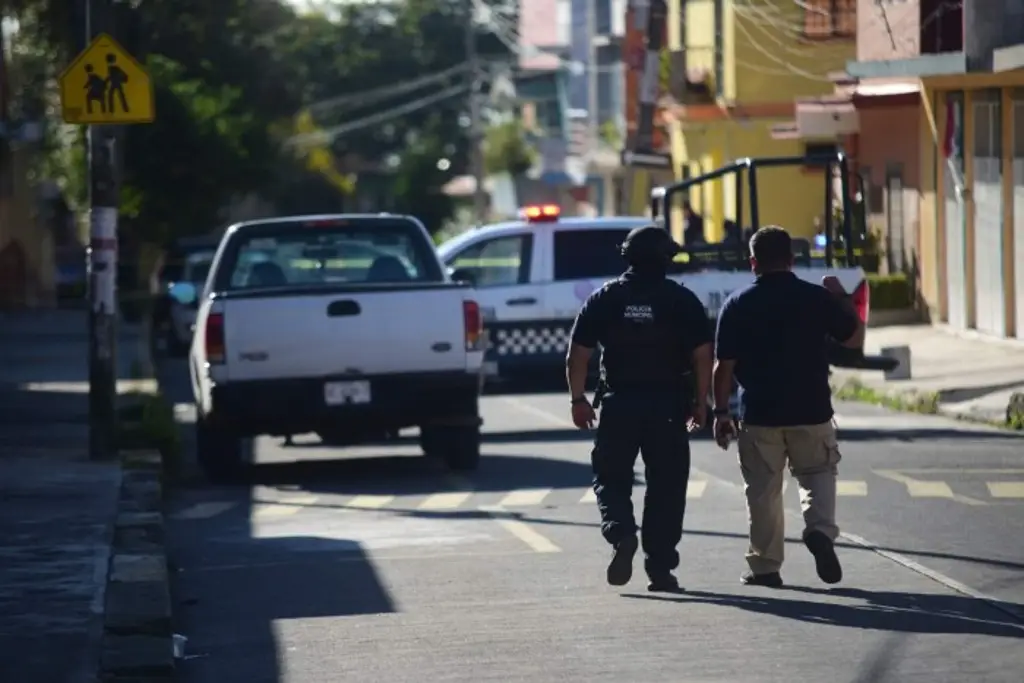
x=106, y=85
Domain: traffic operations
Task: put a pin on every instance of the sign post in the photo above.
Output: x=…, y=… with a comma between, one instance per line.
x=104, y=86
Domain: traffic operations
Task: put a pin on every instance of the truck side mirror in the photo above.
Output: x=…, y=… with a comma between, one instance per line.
x=184, y=293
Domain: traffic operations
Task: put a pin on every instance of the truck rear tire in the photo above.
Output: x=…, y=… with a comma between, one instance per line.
x=219, y=453
x=458, y=446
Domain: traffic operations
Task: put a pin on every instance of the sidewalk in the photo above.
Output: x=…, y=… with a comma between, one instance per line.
x=57, y=508
x=966, y=376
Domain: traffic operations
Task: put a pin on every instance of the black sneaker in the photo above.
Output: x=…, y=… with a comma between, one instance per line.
x=768, y=580
x=620, y=569
x=825, y=560
x=663, y=582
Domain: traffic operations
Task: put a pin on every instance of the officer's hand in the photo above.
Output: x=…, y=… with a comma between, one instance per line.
x=832, y=284
x=725, y=431
x=698, y=418
x=583, y=415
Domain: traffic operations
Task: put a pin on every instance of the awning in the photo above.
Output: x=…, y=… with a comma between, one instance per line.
x=826, y=117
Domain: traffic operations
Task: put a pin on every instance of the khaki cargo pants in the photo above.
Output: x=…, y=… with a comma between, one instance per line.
x=811, y=453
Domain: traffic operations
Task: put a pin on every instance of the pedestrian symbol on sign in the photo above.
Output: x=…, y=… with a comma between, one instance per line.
x=106, y=85
x=101, y=90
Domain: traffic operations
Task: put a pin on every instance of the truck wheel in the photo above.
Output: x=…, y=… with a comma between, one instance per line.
x=219, y=453
x=459, y=447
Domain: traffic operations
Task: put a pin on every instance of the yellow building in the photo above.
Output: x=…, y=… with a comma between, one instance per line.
x=741, y=66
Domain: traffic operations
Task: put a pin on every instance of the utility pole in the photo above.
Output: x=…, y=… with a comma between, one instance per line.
x=593, y=123
x=476, y=156
x=102, y=266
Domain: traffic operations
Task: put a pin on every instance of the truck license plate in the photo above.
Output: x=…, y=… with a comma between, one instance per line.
x=341, y=393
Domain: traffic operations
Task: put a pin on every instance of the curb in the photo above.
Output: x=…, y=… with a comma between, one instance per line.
x=910, y=396
x=138, y=640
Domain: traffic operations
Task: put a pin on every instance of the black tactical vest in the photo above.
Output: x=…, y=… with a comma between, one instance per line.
x=645, y=345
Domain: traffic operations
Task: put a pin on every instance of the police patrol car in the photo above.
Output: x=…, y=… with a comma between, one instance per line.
x=532, y=275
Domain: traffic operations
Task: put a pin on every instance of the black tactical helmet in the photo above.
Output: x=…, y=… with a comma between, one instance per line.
x=649, y=244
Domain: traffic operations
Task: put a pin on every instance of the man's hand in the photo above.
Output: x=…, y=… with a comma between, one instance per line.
x=583, y=415
x=832, y=284
x=698, y=418
x=725, y=431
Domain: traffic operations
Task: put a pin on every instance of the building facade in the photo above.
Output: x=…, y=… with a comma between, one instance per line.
x=966, y=59
x=739, y=68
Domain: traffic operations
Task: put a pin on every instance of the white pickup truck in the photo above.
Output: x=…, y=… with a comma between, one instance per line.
x=343, y=325
x=532, y=275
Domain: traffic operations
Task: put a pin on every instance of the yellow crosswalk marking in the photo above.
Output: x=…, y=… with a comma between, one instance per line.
x=444, y=501
x=368, y=502
x=851, y=488
x=918, y=488
x=284, y=508
x=524, y=497
x=696, y=488
x=928, y=489
x=265, y=511
x=1006, y=489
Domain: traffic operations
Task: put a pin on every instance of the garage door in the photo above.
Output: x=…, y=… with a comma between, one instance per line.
x=990, y=305
x=956, y=228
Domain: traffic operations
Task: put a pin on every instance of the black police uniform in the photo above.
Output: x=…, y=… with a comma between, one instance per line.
x=648, y=327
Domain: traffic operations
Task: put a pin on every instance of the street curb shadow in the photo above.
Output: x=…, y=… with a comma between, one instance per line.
x=138, y=639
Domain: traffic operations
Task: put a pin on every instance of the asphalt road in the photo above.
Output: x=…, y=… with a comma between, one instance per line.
x=373, y=564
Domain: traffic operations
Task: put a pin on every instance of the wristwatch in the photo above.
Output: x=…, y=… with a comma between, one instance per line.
x=722, y=412
x=578, y=400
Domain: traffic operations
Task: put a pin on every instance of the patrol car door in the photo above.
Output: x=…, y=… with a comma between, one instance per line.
x=508, y=294
x=583, y=260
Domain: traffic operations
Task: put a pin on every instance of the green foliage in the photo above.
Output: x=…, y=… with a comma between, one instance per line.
x=146, y=421
x=506, y=149
x=418, y=185
x=610, y=135
x=907, y=401
x=230, y=79
x=890, y=292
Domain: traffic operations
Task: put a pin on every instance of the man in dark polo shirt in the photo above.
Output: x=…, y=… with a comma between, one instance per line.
x=772, y=338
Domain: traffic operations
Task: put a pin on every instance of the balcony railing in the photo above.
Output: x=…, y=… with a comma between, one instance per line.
x=824, y=19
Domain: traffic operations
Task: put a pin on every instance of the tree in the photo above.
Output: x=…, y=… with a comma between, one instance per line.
x=231, y=78
x=506, y=149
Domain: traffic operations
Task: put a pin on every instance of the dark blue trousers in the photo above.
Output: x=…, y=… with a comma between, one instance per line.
x=655, y=428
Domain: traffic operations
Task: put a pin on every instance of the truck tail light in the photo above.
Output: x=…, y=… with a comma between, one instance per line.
x=214, y=338
x=473, y=323
x=861, y=298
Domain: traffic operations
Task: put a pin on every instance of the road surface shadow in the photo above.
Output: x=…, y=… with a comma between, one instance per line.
x=235, y=616
x=416, y=474
x=876, y=611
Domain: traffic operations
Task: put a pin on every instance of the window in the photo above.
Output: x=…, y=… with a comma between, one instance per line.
x=830, y=18
x=499, y=262
x=197, y=267
x=820, y=149
x=584, y=254
x=345, y=251
x=895, y=222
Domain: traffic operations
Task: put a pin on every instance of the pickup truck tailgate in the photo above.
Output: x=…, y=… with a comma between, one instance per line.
x=374, y=332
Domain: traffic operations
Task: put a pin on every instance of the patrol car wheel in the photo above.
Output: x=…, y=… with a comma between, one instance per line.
x=219, y=453
x=457, y=446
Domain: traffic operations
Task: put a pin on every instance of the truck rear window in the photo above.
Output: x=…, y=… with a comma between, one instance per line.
x=327, y=252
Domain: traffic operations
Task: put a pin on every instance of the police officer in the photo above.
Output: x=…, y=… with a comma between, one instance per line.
x=655, y=379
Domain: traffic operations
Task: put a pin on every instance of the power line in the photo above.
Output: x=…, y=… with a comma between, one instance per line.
x=329, y=134
x=386, y=92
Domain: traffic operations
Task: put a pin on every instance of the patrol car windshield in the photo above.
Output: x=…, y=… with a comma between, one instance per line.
x=344, y=251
